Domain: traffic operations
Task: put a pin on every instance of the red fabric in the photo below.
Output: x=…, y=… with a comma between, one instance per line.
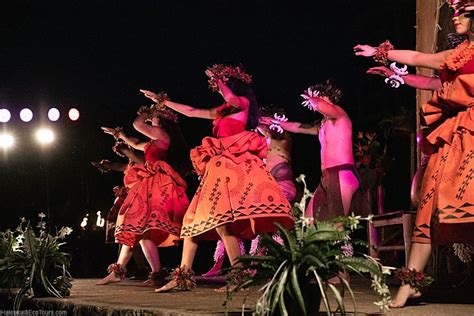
x=154, y=153
x=236, y=189
x=130, y=175
x=447, y=193
x=225, y=126
x=448, y=75
x=154, y=207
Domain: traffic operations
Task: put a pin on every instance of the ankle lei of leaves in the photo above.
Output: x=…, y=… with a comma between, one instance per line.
x=415, y=279
x=239, y=276
x=117, y=269
x=184, y=278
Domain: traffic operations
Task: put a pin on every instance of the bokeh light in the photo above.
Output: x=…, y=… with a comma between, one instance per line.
x=73, y=114
x=53, y=114
x=5, y=115
x=26, y=115
x=6, y=141
x=45, y=136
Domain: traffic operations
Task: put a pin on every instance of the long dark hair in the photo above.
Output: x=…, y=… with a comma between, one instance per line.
x=178, y=150
x=242, y=89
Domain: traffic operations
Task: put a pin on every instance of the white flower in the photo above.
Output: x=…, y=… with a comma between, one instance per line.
x=275, y=126
x=306, y=221
x=369, y=218
x=394, y=81
x=300, y=178
x=281, y=118
x=354, y=221
x=41, y=215
x=64, y=231
x=307, y=95
x=22, y=220
x=387, y=270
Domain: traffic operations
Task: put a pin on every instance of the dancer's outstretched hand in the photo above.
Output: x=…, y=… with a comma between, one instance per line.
x=109, y=130
x=364, y=50
x=150, y=95
x=115, y=132
x=381, y=71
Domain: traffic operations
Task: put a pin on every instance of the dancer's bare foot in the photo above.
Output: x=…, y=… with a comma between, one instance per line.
x=167, y=287
x=404, y=292
x=111, y=278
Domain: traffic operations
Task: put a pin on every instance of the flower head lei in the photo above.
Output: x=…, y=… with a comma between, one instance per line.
x=328, y=90
x=159, y=109
x=224, y=72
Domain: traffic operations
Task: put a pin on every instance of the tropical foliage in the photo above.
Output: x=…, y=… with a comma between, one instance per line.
x=311, y=254
x=33, y=262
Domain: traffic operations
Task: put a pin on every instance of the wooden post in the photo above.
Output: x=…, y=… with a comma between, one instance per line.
x=427, y=18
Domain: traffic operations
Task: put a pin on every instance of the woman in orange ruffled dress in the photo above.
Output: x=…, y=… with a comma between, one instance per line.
x=237, y=196
x=446, y=209
x=152, y=212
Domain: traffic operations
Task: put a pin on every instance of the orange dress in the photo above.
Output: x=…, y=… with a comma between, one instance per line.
x=130, y=178
x=155, y=206
x=235, y=188
x=446, y=210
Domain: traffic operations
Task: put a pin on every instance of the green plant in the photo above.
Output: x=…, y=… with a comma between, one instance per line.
x=311, y=253
x=33, y=263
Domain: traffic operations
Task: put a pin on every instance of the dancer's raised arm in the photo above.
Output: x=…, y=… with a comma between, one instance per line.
x=184, y=109
x=293, y=127
x=407, y=57
x=118, y=133
x=153, y=132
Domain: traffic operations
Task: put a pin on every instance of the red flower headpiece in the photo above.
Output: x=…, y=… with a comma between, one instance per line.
x=224, y=72
x=159, y=109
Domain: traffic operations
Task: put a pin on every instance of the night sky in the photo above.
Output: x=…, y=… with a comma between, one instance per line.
x=95, y=55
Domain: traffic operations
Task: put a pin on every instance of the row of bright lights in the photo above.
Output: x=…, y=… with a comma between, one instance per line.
x=26, y=115
x=43, y=136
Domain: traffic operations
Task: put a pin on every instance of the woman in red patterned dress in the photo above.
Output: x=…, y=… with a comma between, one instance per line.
x=446, y=209
x=152, y=212
x=237, y=196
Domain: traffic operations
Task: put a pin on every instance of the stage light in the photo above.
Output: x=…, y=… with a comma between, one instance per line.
x=73, y=114
x=6, y=141
x=26, y=115
x=53, y=114
x=45, y=136
x=5, y=115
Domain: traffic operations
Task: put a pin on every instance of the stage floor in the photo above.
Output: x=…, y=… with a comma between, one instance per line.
x=130, y=298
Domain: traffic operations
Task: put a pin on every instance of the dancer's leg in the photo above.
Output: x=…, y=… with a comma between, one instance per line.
x=123, y=259
x=419, y=256
x=349, y=185
x=232, y=249
x=151, y=254
x=231, y=244
x=187, y=258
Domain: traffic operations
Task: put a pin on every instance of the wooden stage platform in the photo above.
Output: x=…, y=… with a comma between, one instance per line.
x=130, y=298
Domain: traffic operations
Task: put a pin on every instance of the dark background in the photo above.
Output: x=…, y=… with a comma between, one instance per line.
x=95, y=55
